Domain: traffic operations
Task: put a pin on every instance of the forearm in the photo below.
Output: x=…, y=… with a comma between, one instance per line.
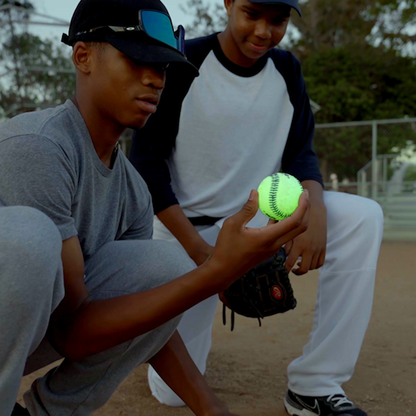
x=102, y=324
x=316, y=194
x=174, y=364
x=179, y=225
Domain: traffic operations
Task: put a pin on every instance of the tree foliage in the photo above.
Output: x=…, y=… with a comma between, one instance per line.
x=354, y=83
x=207, y=18
x=361, y=83
x=329, y=24
x=36, y=73
x=20, y=9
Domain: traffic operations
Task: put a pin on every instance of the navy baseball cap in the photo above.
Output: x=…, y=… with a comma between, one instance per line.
x=140, y=29
x=292, y=3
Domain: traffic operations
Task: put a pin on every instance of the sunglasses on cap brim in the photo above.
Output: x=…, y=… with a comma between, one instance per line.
x=157, y=25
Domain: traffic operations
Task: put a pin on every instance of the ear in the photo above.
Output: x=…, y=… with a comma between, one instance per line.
x=228, y=6
x=81, y=57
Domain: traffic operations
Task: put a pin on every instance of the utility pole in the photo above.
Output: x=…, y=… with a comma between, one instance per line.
x=16, y=66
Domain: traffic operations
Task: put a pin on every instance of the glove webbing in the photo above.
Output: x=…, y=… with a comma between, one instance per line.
x=253, y=290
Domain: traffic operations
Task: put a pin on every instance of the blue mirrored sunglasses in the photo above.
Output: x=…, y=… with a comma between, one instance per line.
x=156, y=25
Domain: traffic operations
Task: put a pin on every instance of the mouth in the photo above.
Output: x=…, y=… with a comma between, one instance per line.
x=258, y=48
x=148, y=103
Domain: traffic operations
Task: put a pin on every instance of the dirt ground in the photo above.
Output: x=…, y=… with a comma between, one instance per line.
x=247, y=367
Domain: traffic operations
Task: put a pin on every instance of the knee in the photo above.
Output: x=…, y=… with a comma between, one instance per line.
x=30, y=244
x=370, y=215
x=172, y=260
x=139, y=265
x=355, y=212
x=165, y=261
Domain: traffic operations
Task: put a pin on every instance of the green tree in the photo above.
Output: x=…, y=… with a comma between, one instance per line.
x=11, y=11
x=354, y=84
x=46, y=72
x=361, y=83
x=350, y=54
x=329, y=24
x=36, y=73
x=207, y=18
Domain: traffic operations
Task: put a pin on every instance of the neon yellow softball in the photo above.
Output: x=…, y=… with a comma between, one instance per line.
x=279, y=195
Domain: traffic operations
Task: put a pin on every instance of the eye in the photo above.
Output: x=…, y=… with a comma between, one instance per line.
x=280, y=20
x=161, y=67
x=251, y=15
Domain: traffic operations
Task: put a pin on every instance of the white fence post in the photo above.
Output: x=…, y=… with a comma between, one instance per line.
x=374, y=162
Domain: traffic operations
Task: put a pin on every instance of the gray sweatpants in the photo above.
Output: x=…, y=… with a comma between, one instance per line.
x=31, y=287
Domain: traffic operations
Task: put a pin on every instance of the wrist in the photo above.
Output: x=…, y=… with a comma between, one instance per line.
x=198, y=250
x=317, y=208
x=221, y=275
x=214, y=274
x=316, y=195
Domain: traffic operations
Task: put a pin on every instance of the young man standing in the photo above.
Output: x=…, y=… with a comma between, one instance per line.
x=216, y=136
x=80, y=277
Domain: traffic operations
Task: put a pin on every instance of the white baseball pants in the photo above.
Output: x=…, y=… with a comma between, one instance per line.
x=343, y=307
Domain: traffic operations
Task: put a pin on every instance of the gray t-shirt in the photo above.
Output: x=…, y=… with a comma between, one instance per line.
x=48, y=162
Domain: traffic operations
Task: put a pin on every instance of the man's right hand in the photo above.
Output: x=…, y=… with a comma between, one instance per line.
x=239, y=248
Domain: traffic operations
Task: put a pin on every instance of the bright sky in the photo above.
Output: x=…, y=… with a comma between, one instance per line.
x=63, y=9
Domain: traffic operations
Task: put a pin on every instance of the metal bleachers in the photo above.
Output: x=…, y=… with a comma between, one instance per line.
x=399, y=216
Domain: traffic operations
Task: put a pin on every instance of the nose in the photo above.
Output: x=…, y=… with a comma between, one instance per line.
x=154, y=77
x=263, y=29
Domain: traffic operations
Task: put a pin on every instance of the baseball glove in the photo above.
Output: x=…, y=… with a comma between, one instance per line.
x=263, y=291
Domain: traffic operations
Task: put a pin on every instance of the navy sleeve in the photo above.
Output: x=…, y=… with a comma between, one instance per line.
x=299, y=157
x=153, y=144
x=154, y=171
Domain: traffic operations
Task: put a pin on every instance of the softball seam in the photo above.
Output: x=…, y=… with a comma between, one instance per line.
x=272, y=197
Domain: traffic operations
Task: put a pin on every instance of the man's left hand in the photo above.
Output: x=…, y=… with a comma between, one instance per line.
x=311, y=245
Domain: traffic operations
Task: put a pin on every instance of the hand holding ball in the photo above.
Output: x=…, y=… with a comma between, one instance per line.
x=279, y=195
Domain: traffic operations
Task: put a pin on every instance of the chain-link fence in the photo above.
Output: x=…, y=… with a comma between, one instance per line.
x=375, y=159
x=367, y=157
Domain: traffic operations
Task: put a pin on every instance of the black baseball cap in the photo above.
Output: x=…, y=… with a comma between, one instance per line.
x=292, y=3
x=140, y=29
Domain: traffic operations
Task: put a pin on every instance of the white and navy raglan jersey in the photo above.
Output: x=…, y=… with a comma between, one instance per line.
x=217, y=136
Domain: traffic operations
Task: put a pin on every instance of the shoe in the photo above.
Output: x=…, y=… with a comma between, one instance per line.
x=19, y=411
x=333, y=405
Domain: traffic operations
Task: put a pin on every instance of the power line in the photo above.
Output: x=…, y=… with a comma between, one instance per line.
x=54, y=20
